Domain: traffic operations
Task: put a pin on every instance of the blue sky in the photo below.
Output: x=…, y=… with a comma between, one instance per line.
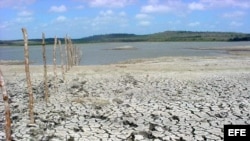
x=82, y=18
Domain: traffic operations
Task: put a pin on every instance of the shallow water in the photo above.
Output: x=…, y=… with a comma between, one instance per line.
x=102, y=53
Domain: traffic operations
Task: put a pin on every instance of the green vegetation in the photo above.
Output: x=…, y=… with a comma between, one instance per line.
x=156, y=37
x=196, y=36
x=31, y=42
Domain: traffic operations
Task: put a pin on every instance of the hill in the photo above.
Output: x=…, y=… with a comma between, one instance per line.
x=156, y=37
x=198, y=36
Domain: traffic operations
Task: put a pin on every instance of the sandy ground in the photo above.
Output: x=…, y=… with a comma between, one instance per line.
x=168, y=98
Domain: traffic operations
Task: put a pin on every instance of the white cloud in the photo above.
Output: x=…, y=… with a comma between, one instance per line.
x=143, y=19
x=194, y=24
x=106, y=13
x=110, y=3
x=174, y=22
x=60, y=19
x=80, y=7
x=235, y=14
x=5, y=24
x=142, y=16
x=122, y=14
x=15, y=3
x=226, y=3
x=234, y=23
x=155, y=6
x=25, y=13
x=24, y=19
x=196, y=6
x=2, y=26
x=153, y=1
x=155, y=9
x=44, y=25
x=109, y=17
x=181, y=7
x=61, y=8
x=144, y=23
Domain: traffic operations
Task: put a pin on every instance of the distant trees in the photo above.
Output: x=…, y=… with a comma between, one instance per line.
x=156, y=37
x=240, y=39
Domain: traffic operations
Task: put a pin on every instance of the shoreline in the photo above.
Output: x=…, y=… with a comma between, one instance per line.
x=166, y=98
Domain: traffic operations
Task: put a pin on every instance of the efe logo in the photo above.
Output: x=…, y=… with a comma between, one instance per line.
x=241, y=132
x=236, y=132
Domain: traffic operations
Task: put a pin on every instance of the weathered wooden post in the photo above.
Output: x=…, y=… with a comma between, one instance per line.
x=69, y=50
x=62, y=57
x=66, y=54
x=7, y=108
x=26, y=55
x=54, y=60
x=46, y=90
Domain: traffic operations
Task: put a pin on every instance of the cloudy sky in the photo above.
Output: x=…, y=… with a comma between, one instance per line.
x=81, y=18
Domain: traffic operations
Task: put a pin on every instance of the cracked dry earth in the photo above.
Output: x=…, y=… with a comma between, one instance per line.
x=178, y=99
x=128, y=106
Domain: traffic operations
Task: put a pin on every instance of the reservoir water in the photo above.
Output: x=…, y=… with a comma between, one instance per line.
x=104, y=53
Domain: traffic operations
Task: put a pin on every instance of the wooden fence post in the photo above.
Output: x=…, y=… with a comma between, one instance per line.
x=54, y=60
x=69, y=53
x=26, y=54
x=7, y=108
x=62, y=57
x=66, y=54
x=46, y=90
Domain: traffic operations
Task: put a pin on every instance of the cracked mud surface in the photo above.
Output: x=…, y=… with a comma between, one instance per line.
x=120, y=103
